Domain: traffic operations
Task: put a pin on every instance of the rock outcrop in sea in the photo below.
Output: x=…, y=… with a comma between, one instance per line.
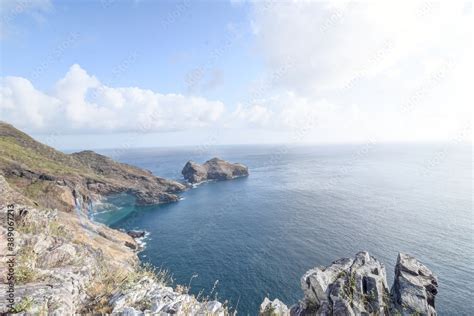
x=358, y=286
x=213, y=169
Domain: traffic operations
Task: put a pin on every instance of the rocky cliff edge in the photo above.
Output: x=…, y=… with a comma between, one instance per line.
x=358, y=286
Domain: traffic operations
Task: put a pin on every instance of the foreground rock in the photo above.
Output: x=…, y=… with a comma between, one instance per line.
x=358, y=286
x=155, y=297
x=214, y=169
x=415, y=287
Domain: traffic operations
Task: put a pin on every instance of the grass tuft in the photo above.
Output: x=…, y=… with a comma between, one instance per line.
x=25, y=270
x=23, y=306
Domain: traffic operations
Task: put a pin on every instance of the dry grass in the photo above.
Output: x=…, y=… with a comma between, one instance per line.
x=58, y=230
x=110, y=281
x=25, y=270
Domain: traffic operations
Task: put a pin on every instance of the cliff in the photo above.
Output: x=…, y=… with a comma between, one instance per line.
x=66, y=264
x=56, y=180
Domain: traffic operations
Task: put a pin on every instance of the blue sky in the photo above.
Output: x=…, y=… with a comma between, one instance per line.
x=162, y=43
x=162, y=73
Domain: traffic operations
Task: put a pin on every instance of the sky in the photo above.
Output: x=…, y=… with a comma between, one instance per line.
x=137, y=73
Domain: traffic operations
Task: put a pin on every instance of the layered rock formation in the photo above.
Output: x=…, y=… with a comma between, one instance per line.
x=358, y=286
x=57, y=180
x=213, y=169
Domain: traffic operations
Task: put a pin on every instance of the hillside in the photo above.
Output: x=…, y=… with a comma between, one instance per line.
x=54, y=179
x=64, y=263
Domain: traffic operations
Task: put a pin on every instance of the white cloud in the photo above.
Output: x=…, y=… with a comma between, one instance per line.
x=370, y=59
x=348, y=71
x=21, y=102
x=286, y=111
x=81, y=103
x=331, y=43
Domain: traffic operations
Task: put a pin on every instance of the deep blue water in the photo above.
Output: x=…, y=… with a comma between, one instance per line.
x=307, y=206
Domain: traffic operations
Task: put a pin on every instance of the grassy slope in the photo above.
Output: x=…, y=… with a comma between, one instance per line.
x=17, y=147
x=27, y=165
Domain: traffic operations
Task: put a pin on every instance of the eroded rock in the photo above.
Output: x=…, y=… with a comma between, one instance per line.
x=415, y=287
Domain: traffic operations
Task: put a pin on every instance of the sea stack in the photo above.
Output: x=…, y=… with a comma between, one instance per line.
x=213, y=169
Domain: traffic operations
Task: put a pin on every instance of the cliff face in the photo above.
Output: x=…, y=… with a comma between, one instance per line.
x=358, y=286
x=57, y=255
x=57, y=180
x=66, y=265
x=213, y=169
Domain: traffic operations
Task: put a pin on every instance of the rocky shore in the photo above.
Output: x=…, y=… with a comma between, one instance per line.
x=213, y=169
x=358, y=286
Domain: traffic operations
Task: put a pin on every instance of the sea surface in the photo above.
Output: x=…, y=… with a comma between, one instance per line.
x=306, y=206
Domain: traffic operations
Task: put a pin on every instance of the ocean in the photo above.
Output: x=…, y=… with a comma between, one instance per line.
x=306, y=206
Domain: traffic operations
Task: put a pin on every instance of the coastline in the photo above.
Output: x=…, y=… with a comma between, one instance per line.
x=60, y=252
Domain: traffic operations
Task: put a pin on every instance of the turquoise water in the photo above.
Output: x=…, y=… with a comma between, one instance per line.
x=307, y=206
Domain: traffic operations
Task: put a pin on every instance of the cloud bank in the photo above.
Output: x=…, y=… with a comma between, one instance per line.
x=399, y=71
x=80, y=103
x=331, y=43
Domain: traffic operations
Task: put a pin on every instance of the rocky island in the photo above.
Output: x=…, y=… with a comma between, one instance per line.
x=213, y=169
x=66, y=264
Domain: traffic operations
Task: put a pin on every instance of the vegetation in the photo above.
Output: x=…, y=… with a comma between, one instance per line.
x=110, y=281
x=269, y=311
x=12, y=152
x=25, y=270
x=58, y=230
x=23, y=306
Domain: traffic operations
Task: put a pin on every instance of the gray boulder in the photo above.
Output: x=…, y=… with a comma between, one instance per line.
x=358, y=286
x=349, y=286
x=414, y=288
x=214, y=169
